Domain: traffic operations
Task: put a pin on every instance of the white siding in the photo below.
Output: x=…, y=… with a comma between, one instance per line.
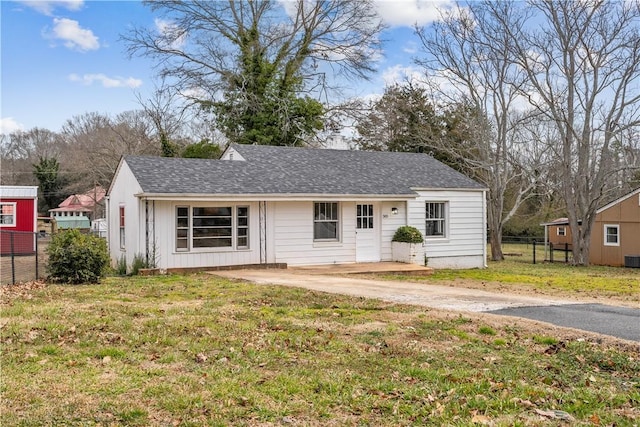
x=122, y=193
x=390, y=224
x=168, y=257
x=292, y=237
x=464, y=244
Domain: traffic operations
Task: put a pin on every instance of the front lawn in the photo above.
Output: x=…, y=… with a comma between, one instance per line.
x=199, y=350
x=518, y=274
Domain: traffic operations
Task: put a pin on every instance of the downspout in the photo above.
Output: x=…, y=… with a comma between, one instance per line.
x=153, y=206
x=107, y=215
x=484, y=228
x=262, y=218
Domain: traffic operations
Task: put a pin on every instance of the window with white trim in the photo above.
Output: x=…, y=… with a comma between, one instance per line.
x=364, y=216
x=122, y=235
x=435, y=225
x=326, y=222
x=8, y=214
x=182, y=228
x=562, y=231
x=611, y=235
x=211, y=227
x=242, y=227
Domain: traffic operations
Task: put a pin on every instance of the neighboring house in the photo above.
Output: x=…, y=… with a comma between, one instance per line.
x=19, y=214
x=78, y=210
x=615, y=233
x=558, y=232
x=299, y=206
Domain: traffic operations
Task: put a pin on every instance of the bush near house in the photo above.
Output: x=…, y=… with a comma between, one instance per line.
x=77, y=258
x=407, y=234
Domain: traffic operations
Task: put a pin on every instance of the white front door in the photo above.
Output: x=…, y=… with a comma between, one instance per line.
x=367, y=240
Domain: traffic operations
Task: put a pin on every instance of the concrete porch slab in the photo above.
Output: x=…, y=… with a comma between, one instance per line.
x=365, y=268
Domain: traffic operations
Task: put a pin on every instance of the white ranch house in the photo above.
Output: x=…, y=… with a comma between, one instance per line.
x=297, y=206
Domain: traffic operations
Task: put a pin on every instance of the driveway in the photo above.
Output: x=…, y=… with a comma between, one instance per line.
x=579, y=316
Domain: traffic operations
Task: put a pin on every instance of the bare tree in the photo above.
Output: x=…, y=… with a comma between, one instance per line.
x=260, y=56
x=582, y=61
x=465, y=56
x=20, y=150
x=168, y=111
x=97, y=142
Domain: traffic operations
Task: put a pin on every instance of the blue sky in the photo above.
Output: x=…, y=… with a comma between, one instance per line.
x=60, y=59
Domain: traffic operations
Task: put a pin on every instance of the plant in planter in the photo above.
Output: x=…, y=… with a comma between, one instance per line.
x=405, y=245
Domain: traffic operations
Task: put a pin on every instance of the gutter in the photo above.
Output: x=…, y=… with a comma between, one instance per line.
x=272, y=197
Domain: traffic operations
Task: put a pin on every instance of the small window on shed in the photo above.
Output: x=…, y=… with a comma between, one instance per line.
x=611, y=235
x=562, y=231
x=7, y=214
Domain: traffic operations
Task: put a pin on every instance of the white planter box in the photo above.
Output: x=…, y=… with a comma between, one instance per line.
x=410, y=253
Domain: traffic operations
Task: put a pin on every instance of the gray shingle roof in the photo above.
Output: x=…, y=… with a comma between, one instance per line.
x=288, y=170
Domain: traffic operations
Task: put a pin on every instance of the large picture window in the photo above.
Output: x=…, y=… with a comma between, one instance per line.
x=435, y=219
x=611, y=235
x=325, y=221
x=211, y=227
x=7, y=214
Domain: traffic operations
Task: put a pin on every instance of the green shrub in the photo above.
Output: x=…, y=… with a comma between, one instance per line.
x=138, y=263
x=407, y=234
x=121, y=268
x=77, y=258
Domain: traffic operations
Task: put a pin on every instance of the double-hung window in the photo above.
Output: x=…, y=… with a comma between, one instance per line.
x=435, y=225
x=611, y=235
x=562, y=231
x=211, y=227
x=326, y=223
x=7, y=214
x=182, y=228
x=242, y=227
x=121, y=216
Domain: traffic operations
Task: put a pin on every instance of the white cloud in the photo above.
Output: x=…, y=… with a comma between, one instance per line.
x=108, y=82
x=74, y=36
x=9, y=125
x=410, y=47
x=47, y=7
x=171, y=31
x=402, y=74
x=411, y=12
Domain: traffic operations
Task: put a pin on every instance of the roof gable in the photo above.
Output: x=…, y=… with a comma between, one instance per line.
x=620, y=200
x=287, y=170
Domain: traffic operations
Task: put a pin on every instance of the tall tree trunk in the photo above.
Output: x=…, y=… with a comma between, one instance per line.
x=495, y=240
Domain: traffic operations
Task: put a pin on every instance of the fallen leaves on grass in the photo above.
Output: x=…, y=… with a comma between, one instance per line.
x=555, y=414
x=23, y=290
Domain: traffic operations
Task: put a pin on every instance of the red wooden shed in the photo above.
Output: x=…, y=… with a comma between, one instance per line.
x=18, y=219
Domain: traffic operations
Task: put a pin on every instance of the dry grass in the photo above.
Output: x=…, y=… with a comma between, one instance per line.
x=200, y=350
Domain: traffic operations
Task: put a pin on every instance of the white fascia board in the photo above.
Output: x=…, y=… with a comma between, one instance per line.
x=274, y=197
x=620, y=200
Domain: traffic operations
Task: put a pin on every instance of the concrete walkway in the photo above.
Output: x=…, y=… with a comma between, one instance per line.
x=333, y=280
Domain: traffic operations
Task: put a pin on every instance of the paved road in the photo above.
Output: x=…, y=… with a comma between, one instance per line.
x=621, y=322
x=615, y=321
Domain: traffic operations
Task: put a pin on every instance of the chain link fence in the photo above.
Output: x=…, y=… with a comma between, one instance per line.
x=23, y=256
